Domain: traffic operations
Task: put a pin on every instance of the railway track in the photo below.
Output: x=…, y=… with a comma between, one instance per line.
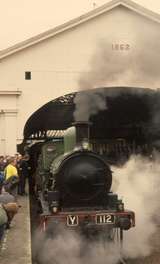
x=123, y=261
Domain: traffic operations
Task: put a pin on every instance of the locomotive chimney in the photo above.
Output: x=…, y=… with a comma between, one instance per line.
x=82, y=132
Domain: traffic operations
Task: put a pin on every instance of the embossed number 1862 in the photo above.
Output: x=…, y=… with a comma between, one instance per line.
x=120, y=47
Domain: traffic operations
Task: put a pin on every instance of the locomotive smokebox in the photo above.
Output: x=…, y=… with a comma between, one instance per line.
x=82, y=131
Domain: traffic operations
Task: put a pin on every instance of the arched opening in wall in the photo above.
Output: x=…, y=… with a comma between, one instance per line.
x=129, y=122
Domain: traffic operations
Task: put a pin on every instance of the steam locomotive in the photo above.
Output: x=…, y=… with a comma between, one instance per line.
x=74, y=189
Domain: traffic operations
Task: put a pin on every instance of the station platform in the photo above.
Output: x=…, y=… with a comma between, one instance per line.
x=16, y=245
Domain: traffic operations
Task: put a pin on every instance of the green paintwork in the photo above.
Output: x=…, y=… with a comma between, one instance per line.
x=69, y=139
x=50, y=151
x=52, y=154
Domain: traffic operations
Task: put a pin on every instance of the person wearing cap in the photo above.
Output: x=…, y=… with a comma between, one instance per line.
x=24, y=171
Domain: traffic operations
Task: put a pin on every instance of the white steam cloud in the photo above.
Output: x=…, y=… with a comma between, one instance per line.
x=138, y=182
x=70, y=248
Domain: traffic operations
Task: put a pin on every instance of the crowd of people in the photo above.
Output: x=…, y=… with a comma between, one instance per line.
x=14, y=170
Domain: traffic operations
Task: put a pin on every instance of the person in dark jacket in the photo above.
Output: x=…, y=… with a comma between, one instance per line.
x=2, y=163
x=24, y=174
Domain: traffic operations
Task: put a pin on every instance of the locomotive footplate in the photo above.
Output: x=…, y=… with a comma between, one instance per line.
x=94, y=218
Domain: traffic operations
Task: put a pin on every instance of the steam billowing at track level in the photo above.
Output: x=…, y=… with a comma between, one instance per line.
x=71, y=248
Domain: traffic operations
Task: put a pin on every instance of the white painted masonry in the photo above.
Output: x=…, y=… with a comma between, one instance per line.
x=57, y=59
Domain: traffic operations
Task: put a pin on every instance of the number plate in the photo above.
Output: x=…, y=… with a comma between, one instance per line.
x=72, y=220
x=105, y=219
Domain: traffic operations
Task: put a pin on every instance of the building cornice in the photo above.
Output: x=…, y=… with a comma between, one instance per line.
x=8, y=111
x=12, y=93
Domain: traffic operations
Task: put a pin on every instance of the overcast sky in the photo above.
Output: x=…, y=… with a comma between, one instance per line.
x=22, y=19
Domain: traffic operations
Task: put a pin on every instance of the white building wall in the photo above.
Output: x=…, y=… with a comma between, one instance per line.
x=58, y=63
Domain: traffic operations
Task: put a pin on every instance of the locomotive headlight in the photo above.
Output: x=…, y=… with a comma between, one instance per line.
x=85, y=144
x=54, y=209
